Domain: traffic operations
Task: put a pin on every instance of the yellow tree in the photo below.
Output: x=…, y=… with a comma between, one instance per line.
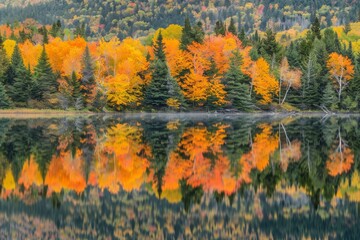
x=341, y=70
x=9, y=46
x=263, y=82
x=289, y=78
x=30, y=53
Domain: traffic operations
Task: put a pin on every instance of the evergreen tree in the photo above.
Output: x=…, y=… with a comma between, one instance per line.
x=235, y=86
x=232, y=27
x=354, y=85
x=4, y=63
x=44, y=79
x=347, y=27
x=198, y=33
x=5, y=101
x=88, y=79
x=329, y=99
x=16, y=62
x=187, y=35
x=219, y=28
x=45, y=35
x=20, y=91
x=315, y=28
x=243, y=38
x=310, y=79
x=271, y=47
x=162, y=86
x=76, y=88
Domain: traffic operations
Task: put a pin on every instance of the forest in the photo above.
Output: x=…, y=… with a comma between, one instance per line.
x=179, y=68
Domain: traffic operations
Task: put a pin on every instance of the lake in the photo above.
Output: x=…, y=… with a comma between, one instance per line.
x=171, y=176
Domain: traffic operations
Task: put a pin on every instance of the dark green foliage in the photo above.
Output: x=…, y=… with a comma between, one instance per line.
x=5, y=101
x=220, y=28
x=20, y=91
x=329, y=99
x=162, y=86
x=238, y=93
x=44, y=79
x=315, y=28
x=76, y=92
x=347, y=27
x=187, y=35
x=271, y=48
x=88, y=79
x=232, y=27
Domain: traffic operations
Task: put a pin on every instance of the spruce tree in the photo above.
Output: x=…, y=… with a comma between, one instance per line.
x=4, y=63
x=187, y=35
x=347, y=27
x=219, y=28
x=162, y=86
x=198, y=33
x=88, y=78
x=310, y=82
x=232, y=27
x=16, y=62
x=315, y=28
x=242, y=37
x=45, y=35
x=76, y=88
x=329, y=99
x=20, y=91
x=235, y=86
x=44, y=79
x=5, y=101
x=354, y=85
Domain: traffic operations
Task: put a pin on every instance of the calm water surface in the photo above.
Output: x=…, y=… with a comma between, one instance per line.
x=180, y=177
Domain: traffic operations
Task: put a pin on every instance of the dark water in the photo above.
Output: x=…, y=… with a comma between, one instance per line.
x=180, y=177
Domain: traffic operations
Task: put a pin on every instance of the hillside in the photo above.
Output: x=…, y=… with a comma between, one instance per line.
x=136, y=18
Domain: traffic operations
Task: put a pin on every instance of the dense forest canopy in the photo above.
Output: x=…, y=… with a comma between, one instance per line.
x=135, y=18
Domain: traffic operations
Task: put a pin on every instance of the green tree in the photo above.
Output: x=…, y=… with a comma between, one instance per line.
x=219, y=28
x=88, y=79
x=162, y=86
x=187, y=35
x=44, y=78
x=315, y=28
x=198, y=33
x=232, y=27
x=20, y=91
x=5, y=101
x=347, y=27
x=329, y=99
x=76, y=88
x=235, y=86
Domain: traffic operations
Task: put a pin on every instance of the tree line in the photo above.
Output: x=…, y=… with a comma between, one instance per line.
x=182, y=69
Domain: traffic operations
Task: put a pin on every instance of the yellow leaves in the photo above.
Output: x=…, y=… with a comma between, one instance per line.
x=177, y=59
x=173, y=103
x=217, y=89
x=288, y=76
x=264, y=82
x=195, y=87
x=173, y=31
x=9, y=46
x=9, y=182
x=30, y=53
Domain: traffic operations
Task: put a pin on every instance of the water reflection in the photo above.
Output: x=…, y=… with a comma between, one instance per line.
x=169, y=177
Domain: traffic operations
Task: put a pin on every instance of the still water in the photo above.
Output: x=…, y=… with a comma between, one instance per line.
x=180, y=177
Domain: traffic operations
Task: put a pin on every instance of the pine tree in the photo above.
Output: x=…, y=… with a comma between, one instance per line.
x=310, y=79
x=242, y=37
x=232, y=27
x=88, y=79
x=198, y=33
x=20, y=91
x=16, y=62
x=271, y=47
x=76, y=88
x=44, y=79
x=235, y=86
x=187, y=35
x=315, y=29
x=5, y=101
x=219, y=28
x=45, y=35
x=162, y=86
x=347, y=27
x=329, y=99
x=354, y=85
x=4, y=63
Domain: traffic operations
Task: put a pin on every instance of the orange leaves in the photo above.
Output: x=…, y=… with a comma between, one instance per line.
x=341, y=70
x=196, y=87
x=340, y=66
x=264, y=82
x=177, y=59
x=30, y=53
x=340, y=162
x=265, y=144
x=288, y=77
x=30, y=174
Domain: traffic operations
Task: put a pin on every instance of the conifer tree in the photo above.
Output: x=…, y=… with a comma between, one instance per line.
x=329, y=99
x=88, y=79
x=20, y=91
x=315, y=29
x=354, y=85
x=347, y=27
x=198, y=33
x=5, y=101
x=232, y=27
x=162, y=86
x=235, y=86
x=187, y=35
x=44, y=79
x=242, y=37
x=16, y=62
x=219, y=28
x=4, y=63
x=45, y=35
x=76, y=88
